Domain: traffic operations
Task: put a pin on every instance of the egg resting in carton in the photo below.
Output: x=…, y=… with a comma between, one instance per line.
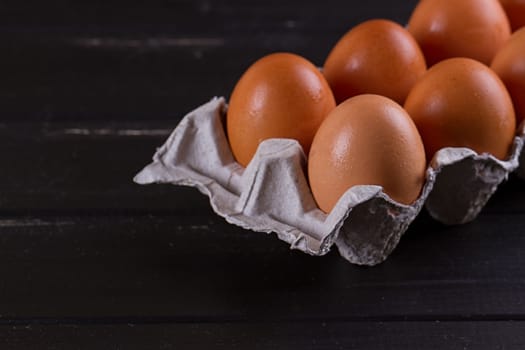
x=272, y=193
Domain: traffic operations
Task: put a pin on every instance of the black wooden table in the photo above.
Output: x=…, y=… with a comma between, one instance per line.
x=90, y=260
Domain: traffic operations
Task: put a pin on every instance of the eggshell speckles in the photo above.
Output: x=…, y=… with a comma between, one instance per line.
x=509, y=64
x=281, y=95
x=462, y=103
x=467, y=28
x=377, y=57
x=366, y=140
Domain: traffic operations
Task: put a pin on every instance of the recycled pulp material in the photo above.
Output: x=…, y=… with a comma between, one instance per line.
x=466, y=182
x=272, y=193
x=521, y=168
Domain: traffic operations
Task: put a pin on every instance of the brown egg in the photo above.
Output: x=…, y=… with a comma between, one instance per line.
x=509, y=64
x=378, y=57
x=465, y=28
x=461, y=102
x=515, y=10
x=282, y=95
x=366, y=140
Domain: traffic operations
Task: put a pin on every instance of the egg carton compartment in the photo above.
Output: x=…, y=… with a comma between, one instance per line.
x=272, y=193
x=466, y=181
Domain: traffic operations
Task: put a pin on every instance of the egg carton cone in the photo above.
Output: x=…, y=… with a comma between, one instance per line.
x=272, y=194
x=521, y=168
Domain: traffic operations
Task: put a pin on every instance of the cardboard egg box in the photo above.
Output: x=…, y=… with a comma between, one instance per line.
x=272, y=194
x=521, y=160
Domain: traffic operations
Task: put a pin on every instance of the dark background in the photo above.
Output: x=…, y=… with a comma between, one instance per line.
x=155, y=60
x=90, y=260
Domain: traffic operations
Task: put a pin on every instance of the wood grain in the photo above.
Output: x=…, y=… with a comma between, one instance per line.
x=272, y=335
x=101, y=61
x=191, y=268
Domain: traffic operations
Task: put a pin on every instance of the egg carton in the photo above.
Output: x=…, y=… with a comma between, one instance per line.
x=272, y=194
x=521, y=168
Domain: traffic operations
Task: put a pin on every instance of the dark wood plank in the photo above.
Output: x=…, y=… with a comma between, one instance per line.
x=199, y=268
x=88, y=169
x=74, y=169
x=183, y=16
x=135, y=61
x=296, y=335
x=509, y=197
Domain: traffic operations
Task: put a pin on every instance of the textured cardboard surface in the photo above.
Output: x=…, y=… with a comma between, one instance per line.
x=272, y=193
x=521, y=167
x=466, y=181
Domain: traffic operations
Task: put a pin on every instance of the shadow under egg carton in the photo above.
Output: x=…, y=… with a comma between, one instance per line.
x=272, y=193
